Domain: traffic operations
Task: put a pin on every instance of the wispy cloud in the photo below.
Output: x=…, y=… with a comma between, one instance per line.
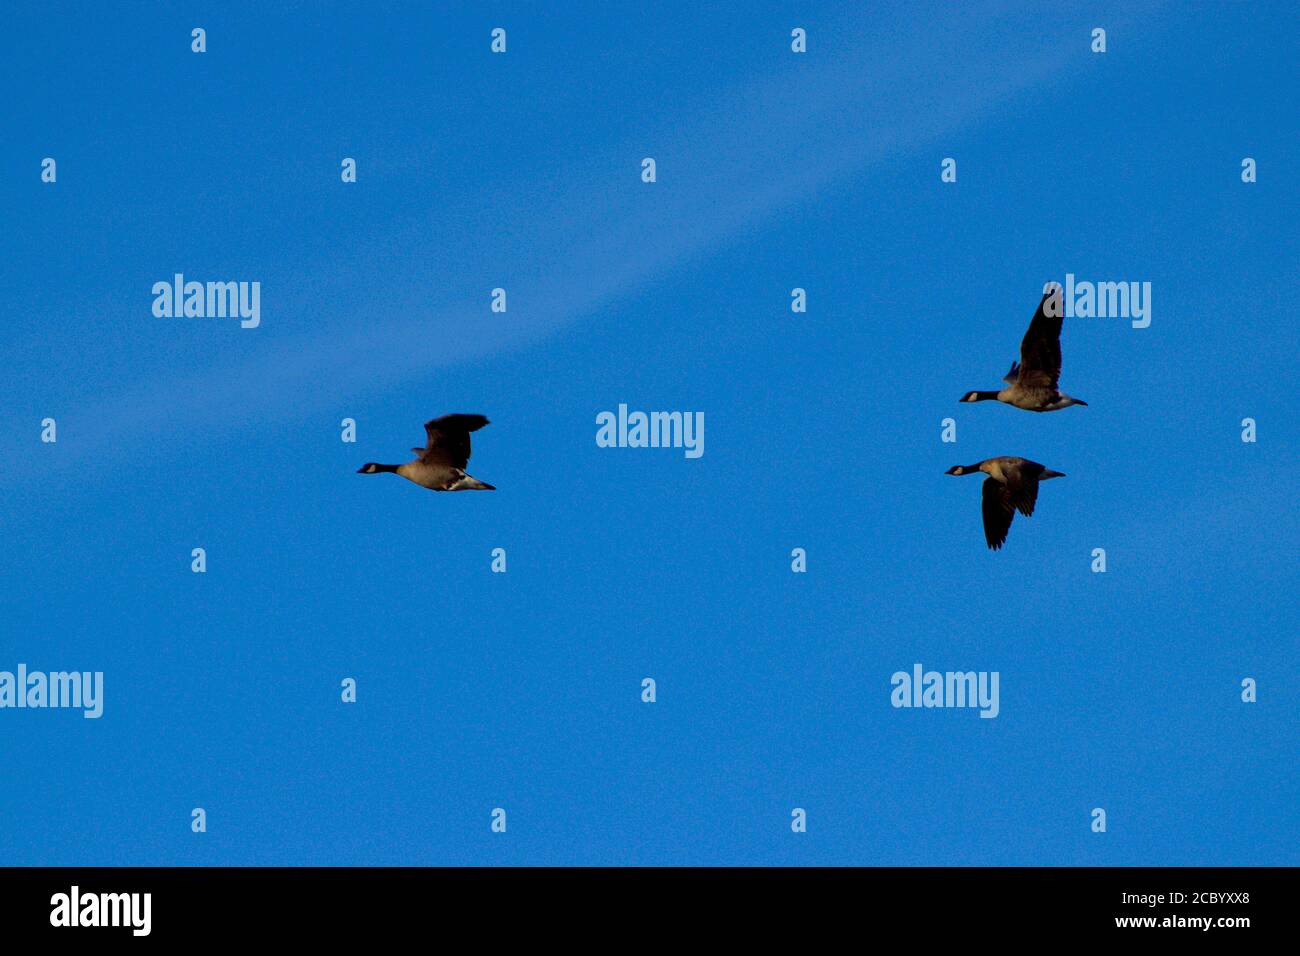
x=755, y=150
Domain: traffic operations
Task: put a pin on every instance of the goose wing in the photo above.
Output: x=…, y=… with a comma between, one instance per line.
x=1040, y=349
x=998, y=512
x=1022, y=484
x=448, y=439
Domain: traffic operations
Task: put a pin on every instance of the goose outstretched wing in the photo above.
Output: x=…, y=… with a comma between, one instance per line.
x=1040, y=349
x=998, y=512
x=448, y=439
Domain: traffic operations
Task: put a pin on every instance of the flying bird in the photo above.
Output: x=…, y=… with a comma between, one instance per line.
x=1011, y=486
x=1031, y=383
x=441, y=462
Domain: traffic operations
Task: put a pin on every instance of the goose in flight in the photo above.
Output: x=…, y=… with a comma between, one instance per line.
x=1031, y=383
x=441, y=462
x=1011, y=486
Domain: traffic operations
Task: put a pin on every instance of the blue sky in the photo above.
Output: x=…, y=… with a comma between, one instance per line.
x=478, y=690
